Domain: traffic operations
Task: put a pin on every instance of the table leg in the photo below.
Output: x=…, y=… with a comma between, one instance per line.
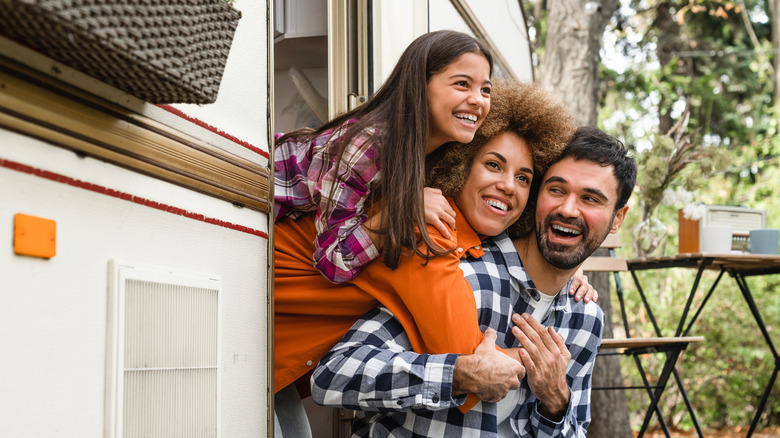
x=743, y=287
x=690, y=300
x=677, y=378
x=671, y=359
x=703, y=303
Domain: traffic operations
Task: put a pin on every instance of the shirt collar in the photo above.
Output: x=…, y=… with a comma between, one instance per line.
x=516, y=269
x=468, y=240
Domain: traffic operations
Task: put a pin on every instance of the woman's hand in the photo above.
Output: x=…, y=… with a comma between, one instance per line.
x=438, y=211
x=581, y=289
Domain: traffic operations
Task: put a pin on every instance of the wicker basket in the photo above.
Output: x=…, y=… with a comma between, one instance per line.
x=162, y=51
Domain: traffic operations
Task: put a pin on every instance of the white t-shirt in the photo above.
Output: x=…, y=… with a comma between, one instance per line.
x=505, y=407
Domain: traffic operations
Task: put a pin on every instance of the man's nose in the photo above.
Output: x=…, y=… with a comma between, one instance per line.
x=569, y=207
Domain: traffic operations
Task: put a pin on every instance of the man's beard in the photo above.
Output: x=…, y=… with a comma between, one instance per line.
x=562, y=256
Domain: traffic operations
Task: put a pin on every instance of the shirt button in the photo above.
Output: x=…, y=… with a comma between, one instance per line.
x=476, y=247
x=435, y=399
x=309, y=363
x=400, y=402
x=460, y=249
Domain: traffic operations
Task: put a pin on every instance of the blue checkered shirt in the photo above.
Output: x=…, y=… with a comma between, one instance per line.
x=399, y=393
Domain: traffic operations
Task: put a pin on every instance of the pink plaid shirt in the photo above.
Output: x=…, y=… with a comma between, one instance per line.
x=304, y=173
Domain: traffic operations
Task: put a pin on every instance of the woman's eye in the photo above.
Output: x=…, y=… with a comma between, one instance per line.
x=523, y=178
x=492, y=164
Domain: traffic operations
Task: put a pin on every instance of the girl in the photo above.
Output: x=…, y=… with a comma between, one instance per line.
x=439, y=92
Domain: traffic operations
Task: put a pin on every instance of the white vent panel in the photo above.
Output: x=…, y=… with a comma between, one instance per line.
x=163, y=364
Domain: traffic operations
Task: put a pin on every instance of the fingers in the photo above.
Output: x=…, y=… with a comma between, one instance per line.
x=560, y=343
x=437, y=223
x=489, y=341
x=438, y=211
x=534, y=334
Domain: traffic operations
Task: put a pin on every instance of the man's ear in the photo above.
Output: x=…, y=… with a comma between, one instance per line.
x=617, y=222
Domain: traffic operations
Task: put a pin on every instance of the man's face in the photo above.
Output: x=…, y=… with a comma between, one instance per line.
x=575, y=211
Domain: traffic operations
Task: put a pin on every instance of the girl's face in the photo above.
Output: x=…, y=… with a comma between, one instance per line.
x=497, y=188
x=459, y=100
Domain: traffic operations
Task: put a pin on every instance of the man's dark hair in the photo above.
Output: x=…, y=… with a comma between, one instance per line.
x=592, y=144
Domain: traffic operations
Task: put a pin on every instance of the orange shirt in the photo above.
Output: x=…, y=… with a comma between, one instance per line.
x=433, y=301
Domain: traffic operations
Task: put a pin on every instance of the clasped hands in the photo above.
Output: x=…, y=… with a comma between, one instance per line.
x=541, y=359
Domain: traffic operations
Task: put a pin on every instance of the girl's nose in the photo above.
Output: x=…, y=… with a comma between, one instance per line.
x=477, y=99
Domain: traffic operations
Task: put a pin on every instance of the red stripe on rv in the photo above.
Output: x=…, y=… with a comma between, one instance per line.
x=19, y=167
x=214, y=129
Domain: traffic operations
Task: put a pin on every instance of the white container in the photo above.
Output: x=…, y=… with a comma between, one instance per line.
x=716, y=239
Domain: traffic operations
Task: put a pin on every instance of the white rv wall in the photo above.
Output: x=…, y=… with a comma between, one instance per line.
x=53, y=312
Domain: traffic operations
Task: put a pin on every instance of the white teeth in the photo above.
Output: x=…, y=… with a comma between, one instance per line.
x=499, y=205
x=467, y=117
x=566, y=230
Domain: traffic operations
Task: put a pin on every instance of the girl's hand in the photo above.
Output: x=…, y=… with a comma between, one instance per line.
x=581, y=289
x=438, y=211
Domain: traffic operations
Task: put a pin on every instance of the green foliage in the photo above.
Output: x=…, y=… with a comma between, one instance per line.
x=657, y=55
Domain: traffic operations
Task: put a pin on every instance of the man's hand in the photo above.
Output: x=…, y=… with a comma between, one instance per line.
x=487, y=373
x=545, y=357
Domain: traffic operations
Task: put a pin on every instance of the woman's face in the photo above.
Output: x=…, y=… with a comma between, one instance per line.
x=459, y=100
x=499, y=183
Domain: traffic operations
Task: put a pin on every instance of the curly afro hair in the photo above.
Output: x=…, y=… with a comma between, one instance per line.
x=525, y=109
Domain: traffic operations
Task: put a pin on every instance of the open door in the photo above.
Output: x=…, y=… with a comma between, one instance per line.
x=330, y=55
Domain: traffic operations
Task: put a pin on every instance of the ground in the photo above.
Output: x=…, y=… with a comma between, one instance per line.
x=736, y=432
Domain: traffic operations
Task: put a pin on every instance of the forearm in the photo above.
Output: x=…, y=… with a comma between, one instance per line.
x=372, y=369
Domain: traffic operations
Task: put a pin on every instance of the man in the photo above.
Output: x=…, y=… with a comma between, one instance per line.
x=582, y=198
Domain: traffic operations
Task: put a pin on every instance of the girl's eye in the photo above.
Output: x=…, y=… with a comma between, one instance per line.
x=486, y=91
x=462, y=83
x=523, y=178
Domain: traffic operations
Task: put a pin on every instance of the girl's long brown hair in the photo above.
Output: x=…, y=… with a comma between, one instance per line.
x=399, y=111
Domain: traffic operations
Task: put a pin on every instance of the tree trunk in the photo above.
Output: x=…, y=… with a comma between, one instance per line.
x=571, y=59
x=609, y=410
x=570, y=70
x=774, y=11
x=668, y=43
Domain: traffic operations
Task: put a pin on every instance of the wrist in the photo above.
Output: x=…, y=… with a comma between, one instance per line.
x=554, y=411
x=462, y=381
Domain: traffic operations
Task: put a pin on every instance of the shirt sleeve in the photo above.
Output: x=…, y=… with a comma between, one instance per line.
x=583, y=345
x=342, y=246
x=432, y=299
x=373, y=369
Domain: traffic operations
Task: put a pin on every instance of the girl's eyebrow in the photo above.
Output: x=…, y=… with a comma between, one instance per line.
x=463, y=75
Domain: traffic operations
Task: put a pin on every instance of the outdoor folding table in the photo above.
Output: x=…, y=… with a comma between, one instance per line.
x=739, y=267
